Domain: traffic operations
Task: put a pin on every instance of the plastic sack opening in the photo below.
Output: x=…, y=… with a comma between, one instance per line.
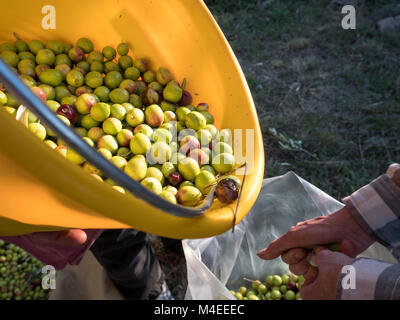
x=218, y=264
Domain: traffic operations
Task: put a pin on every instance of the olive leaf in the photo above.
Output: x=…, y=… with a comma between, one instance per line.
x=288, y=144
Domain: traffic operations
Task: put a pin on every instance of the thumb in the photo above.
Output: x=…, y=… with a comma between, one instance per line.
x=348, y=248
x=325, y=257
x=307, y=291
x=75, y=237
x=321, y=256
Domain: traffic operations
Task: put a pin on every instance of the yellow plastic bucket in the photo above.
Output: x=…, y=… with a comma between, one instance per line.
x=41, y=191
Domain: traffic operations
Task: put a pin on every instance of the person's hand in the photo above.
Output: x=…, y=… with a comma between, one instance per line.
x=73, y=237
x=338, y=227
x=322, y=280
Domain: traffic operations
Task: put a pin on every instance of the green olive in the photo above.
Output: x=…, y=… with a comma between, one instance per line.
x=140, y=144
x=88, y=122
x=119, y=162
x=283, y=289
x=301, y=279
x=132, y=73
x=103, y=93
x=182, y=112
x=123, y=49
x=188, y=195
x=276, y=295
x=135, y=117
x=290, y=295
x=95, y=133
x=51, y=77
x=155, y=173
x=162, y=135
x=100, y=111
x=142, y=64
x=159, y=153
x=112, y=126
x=26, y=55
x=262, y=289
x=163, y=76
x=140, y=86
x=85, y=44
x=38, y=130
x=10, y=57
x=35, y=46
x=113, y=79
x=111, y=66
x=285, y=279
x=152, y=184
x=75, y=78
x=203, y=182
x=63, y=69
x=118, y=111
x=169, y=196
x=95, y=56
x=242, y=290
x=135, y=100
x=63, y=59
x=56, y=46
x=250, y=292
x=172, y=93
x=223, y=162
x=125, y=62
x=109, y=53
x=189, y=168
x=238, y=296
x=195, y=120
x=149, y=76
x=208, y=116
x=21, y=46
x=94, y=79
x=50, y=92
x=108, y=142
x=119, y=95
x=268, y=280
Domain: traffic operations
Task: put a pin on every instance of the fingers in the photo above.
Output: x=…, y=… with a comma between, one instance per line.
x=394, y=173
x=347, y=247
x=304, y=235
x=300, y=268
x=325, y=257
x=307, y=292
x=294, y=255
x=310, y=276
x=73, y=237
x=280, y=245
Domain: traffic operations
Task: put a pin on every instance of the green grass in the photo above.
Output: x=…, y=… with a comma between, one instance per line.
x=339, y=94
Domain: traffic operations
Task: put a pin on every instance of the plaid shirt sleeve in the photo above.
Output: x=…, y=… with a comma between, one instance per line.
x=377, y=208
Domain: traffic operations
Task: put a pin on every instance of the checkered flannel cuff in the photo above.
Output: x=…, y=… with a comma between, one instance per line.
x=377, y=208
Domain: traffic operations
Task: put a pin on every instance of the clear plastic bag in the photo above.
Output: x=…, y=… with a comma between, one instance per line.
x=221, y=262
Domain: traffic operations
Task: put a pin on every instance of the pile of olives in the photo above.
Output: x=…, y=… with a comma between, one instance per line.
x=20, y=275
x=140, y=119
x=275, y=287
